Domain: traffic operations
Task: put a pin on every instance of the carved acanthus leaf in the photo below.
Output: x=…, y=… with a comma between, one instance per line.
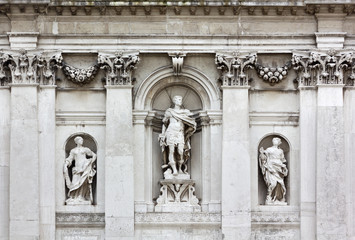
x=29, y=67
x=322, y=67
x=271, y=74
x=234, y=68
x=119, y=67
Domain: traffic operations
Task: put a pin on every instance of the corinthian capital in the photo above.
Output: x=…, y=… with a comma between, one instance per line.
x=22, y=67
x=119, y=67
x=322, y=67
x=234, y=68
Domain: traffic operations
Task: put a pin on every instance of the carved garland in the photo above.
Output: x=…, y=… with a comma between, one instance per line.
x=272, y=75
x=79, y=75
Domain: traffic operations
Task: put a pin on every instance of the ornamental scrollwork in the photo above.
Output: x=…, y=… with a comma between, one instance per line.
x=79, y=75
x=272, y=75
x=234, y=68
x=119, y=67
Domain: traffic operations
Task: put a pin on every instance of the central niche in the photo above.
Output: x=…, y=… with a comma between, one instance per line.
x=161, y=102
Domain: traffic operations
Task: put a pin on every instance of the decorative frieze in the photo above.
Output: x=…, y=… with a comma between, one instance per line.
x=234, y=68
x=119, y=67
x=69, y=219
x=166, y=218
x=321, y=67
x=275, y=217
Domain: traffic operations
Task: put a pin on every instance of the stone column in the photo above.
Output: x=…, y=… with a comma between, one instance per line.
x=308, y=146
x=331, y=165
x=24, y=172
x=4, y=160
x=349, y=118
x=236, y=221
x=236, y=212
x=119, y=192
x=119, y=167
x=46, y=127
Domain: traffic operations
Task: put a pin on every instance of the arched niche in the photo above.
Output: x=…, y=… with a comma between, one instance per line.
x=151, y=100
x=265, y=143
x=89, y=142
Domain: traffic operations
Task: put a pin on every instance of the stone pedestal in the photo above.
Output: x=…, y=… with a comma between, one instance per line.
x=177, y=195
x=119, y=188
x=331, y=165
x=24, y=171
x=236, y=221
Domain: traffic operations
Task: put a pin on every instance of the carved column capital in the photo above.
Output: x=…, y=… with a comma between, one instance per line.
x=234, y=68
x=29, y=67
x=119, y=67
x=316, y=68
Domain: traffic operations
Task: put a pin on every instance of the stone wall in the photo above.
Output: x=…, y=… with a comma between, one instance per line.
x=106, y=71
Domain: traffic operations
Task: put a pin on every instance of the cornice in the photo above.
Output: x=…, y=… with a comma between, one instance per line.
x=199, y=8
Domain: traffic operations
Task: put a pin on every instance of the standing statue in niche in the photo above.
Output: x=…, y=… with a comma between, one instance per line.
x=80, y=185
x=272, y=163
x=178, y=127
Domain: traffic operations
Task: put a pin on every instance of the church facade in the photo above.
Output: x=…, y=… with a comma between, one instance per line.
x=177, y=120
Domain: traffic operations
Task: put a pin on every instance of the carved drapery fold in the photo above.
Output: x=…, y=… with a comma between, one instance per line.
x=234, y=68
x=29, y=67
x=322, y=67
x=119, y=67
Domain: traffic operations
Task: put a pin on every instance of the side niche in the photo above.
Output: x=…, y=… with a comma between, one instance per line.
x=80, y=170
x=273, y=170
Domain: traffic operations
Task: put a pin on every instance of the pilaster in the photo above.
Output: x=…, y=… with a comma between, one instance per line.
x=236, y=206
x=119, y=166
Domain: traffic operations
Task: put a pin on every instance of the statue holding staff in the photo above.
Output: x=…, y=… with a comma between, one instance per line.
x=178, y=127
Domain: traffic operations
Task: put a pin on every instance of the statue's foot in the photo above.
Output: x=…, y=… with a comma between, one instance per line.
x=175, y=173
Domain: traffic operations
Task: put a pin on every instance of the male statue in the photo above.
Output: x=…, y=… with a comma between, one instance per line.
x=177, y=129
x=80, y=189
x=273, y=166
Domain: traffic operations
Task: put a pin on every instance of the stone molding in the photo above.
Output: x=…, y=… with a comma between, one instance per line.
x=234, y=68
x=29, y=67
x=118, y=67
x=178, y=218
x=275, y=217
x=69, y=219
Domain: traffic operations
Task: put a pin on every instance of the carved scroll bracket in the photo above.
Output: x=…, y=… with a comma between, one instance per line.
x=234, y=68
x=178, y=61
x=119, y=67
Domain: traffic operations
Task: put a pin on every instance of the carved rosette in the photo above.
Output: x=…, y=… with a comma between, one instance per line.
x=119, y=67
x=29, y=67
x=322, y=67
x=234, y=68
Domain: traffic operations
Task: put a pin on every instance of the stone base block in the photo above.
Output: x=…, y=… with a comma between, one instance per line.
x=177, y=195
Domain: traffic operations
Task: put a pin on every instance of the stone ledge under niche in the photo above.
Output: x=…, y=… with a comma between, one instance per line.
x=71, y=219
x=178, y=218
